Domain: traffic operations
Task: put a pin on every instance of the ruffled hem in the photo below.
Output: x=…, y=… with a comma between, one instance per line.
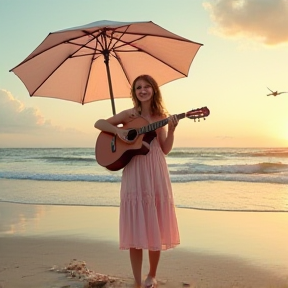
x=163, y=247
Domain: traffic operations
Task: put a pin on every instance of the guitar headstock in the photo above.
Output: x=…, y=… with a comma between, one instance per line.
x=198, y=113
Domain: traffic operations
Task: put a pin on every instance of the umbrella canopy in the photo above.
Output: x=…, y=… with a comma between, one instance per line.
x=100, y=60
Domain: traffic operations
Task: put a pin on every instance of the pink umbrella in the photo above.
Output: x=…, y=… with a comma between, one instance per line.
x=100, y=60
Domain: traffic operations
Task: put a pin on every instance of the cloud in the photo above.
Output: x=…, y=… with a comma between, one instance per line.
x=16, y=118
x=262, y=20
x=25, y=127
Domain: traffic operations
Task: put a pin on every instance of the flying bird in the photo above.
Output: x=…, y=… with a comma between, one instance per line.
x=275, y=93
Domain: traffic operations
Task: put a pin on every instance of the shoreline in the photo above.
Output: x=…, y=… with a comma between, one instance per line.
x=200, y=195
x=117, y=206
x=218, y=249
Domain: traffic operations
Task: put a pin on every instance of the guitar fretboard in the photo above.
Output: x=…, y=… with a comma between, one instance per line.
x=158, y=124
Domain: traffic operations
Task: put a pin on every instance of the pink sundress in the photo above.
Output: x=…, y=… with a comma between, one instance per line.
x=147, y=211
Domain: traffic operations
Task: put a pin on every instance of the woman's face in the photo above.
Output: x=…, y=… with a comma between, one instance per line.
x=143, y=90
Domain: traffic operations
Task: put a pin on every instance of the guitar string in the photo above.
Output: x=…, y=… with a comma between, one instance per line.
x=156, y=125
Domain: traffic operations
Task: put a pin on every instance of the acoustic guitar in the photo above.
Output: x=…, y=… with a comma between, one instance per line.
x=115, y=153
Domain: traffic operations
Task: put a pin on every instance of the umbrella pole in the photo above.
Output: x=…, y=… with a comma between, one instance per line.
x=106, y=61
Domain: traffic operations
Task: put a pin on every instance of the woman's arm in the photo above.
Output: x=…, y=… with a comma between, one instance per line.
x=106, y=126
x=166, y=138
x=110, y=125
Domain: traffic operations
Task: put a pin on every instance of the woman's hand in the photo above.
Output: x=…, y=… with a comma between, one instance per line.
x=172, y=123
x=122, y=134
x=165, y=139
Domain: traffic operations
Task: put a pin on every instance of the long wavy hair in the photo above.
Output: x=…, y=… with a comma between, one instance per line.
x=157, y=106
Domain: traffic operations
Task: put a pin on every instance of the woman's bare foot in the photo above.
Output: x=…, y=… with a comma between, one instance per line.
x=150, y=282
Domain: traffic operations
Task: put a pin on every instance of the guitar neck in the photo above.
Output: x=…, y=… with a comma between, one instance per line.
x=158, y=124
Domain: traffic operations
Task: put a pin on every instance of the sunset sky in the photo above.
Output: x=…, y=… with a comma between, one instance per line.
x=245, y=50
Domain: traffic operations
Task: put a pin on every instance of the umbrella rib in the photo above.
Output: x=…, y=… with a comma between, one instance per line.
x=91, y=62
x=122, y=66
x=86, y=84
x=89, y=73
x=44, y=80
x=123, y=43
x=143, y=51
x=49, y=48
x=118, y=39
x=161, y=36
x=48, y=76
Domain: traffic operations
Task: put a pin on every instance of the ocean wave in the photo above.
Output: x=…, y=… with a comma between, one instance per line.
x=184, y=164
x=258, y=168
x=67, y=155
x=276, y=179
x=197, y=153
x=221, y=153
x=277, y=153
x=67, y=159
x=179, y=178
x=60, y=177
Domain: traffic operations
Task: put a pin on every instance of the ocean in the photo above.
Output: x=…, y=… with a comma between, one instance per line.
x=234, y=179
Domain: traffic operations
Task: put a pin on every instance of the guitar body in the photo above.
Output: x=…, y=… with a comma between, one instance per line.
x=124, y=152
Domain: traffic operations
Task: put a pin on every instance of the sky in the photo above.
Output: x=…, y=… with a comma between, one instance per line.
x=245, y=50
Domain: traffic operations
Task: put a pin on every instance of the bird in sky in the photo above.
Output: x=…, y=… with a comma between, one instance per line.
x=275, y=93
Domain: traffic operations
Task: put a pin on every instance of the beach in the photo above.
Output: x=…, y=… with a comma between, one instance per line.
x=218, y=248
x=57, y=205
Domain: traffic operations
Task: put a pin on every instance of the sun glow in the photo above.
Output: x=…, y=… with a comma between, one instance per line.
x=282, y=133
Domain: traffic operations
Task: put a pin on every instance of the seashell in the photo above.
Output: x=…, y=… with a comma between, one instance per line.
x=52, y=269
x=77, y=269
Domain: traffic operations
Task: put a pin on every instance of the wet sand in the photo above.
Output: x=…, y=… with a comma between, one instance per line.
x=218, y=249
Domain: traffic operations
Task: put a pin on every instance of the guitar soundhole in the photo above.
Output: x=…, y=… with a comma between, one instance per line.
x=132, y=134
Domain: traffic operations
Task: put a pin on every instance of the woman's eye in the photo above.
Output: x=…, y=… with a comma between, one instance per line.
x=144, y=87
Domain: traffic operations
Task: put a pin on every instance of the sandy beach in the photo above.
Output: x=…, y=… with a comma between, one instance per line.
x=218, y=249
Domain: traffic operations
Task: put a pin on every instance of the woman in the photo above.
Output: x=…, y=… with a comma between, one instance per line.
x=147, y=212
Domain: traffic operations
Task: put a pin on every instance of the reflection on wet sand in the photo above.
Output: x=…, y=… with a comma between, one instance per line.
x=15, y=218
x=57, y=220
